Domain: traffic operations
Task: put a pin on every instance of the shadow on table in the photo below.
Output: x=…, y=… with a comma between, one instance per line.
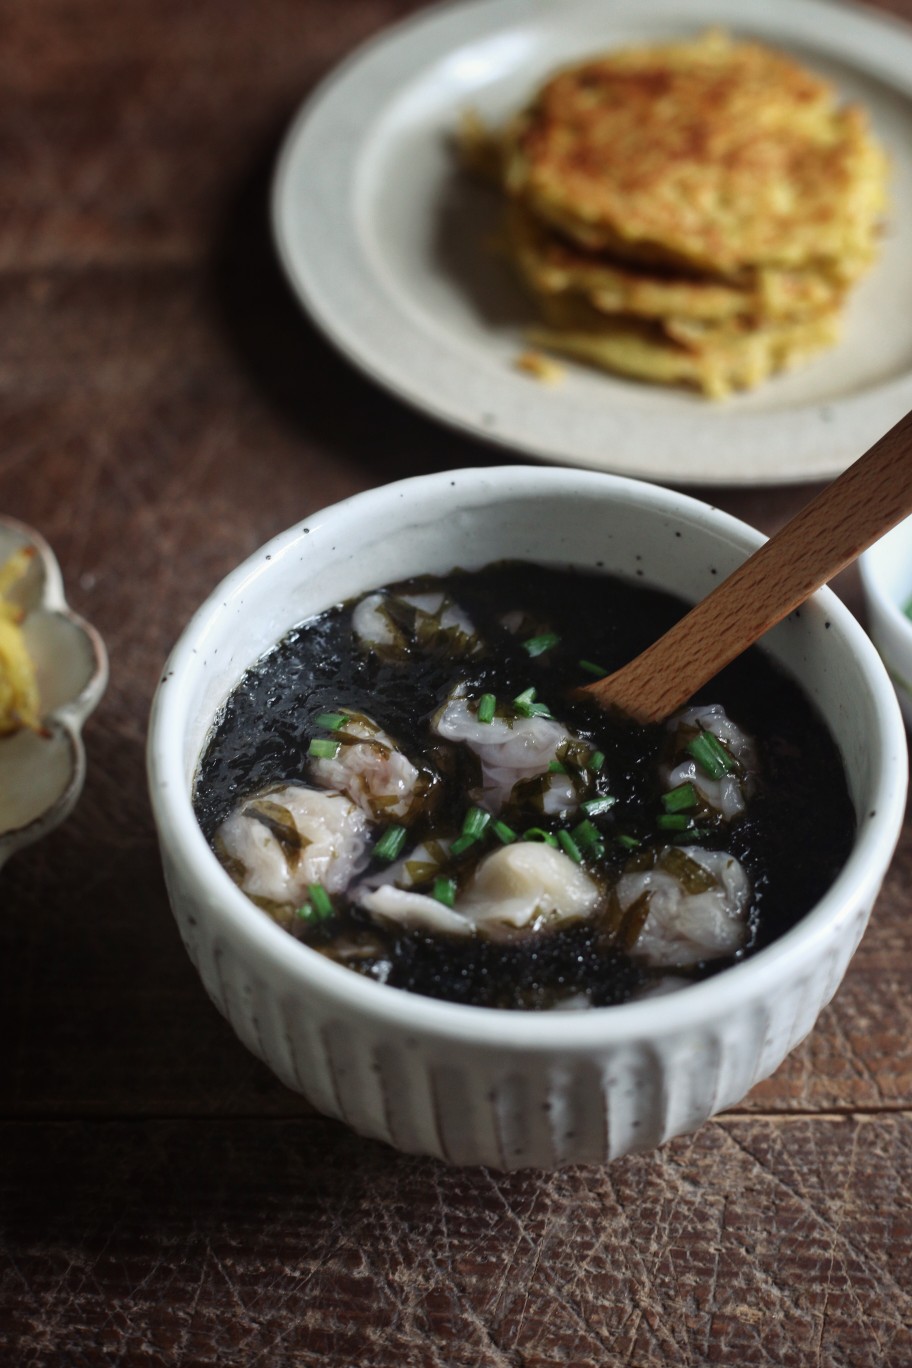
x=218, y=1243
x=308, y=382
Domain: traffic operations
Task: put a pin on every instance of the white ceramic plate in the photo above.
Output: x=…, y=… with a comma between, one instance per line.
x=41, y=775
x=382, y=238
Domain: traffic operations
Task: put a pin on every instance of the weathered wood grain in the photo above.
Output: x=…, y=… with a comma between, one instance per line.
x=125, y=127
x=758, y=1242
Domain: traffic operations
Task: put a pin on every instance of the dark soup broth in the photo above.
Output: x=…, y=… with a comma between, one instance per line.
x=407, y=784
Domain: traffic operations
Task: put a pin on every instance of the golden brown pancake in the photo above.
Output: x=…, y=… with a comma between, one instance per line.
x=692, y=212
x=715, y=358
x=552, y=265
x=708, y=154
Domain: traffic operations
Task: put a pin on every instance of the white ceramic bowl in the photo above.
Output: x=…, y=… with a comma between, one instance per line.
x=41, y=776
x=476, y=1085
x=886, y=578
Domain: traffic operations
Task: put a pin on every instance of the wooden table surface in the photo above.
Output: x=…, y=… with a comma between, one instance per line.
x=164, y=409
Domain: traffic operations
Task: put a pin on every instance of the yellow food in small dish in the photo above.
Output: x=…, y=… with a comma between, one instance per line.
x=19, y=702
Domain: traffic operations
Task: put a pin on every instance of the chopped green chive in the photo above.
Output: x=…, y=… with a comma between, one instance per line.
x=680, y=799
x=555, y=767
x=596, y=761
x=537, y=645
x=570, y=846
x=629, y=842
x=444, y=891
x=526, y=706
x=390, y=843
x=539, y=834
x=476, y=819
x=318, y=908
x=695, y=834
x=673, y=821
x=461, y=844
x=486, y=705
x=473, y=825
x=588, y=837
x=710, y=755
x=503, y=833
x=323, y=750
x=591, y=668
x=331, y=721
x=320, y=899
x=594, y=807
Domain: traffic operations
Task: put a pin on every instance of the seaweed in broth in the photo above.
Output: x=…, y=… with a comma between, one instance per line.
x=774, y=826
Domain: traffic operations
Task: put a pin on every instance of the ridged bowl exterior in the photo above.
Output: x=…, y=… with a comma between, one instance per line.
x=479, y=1086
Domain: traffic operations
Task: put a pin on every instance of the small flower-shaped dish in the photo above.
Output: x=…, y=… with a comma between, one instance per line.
x=42, y=773
x=886, y=577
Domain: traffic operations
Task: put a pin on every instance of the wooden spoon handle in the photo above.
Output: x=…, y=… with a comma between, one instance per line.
x=861, y=505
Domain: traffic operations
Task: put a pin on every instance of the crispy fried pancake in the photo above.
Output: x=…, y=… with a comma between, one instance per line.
x=716, y=358
x=708, y=154
x=689, y=213
x=551, y=265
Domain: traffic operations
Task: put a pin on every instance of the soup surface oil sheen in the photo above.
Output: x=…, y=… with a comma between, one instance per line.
x=396, y=714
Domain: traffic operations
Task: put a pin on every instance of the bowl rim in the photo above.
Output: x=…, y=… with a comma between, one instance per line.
x=269, y=947
x=870, y=569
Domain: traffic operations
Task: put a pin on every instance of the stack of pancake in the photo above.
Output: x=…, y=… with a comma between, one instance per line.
x=692, y=212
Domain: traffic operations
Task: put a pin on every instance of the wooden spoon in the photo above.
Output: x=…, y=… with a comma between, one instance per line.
x=861, y=505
